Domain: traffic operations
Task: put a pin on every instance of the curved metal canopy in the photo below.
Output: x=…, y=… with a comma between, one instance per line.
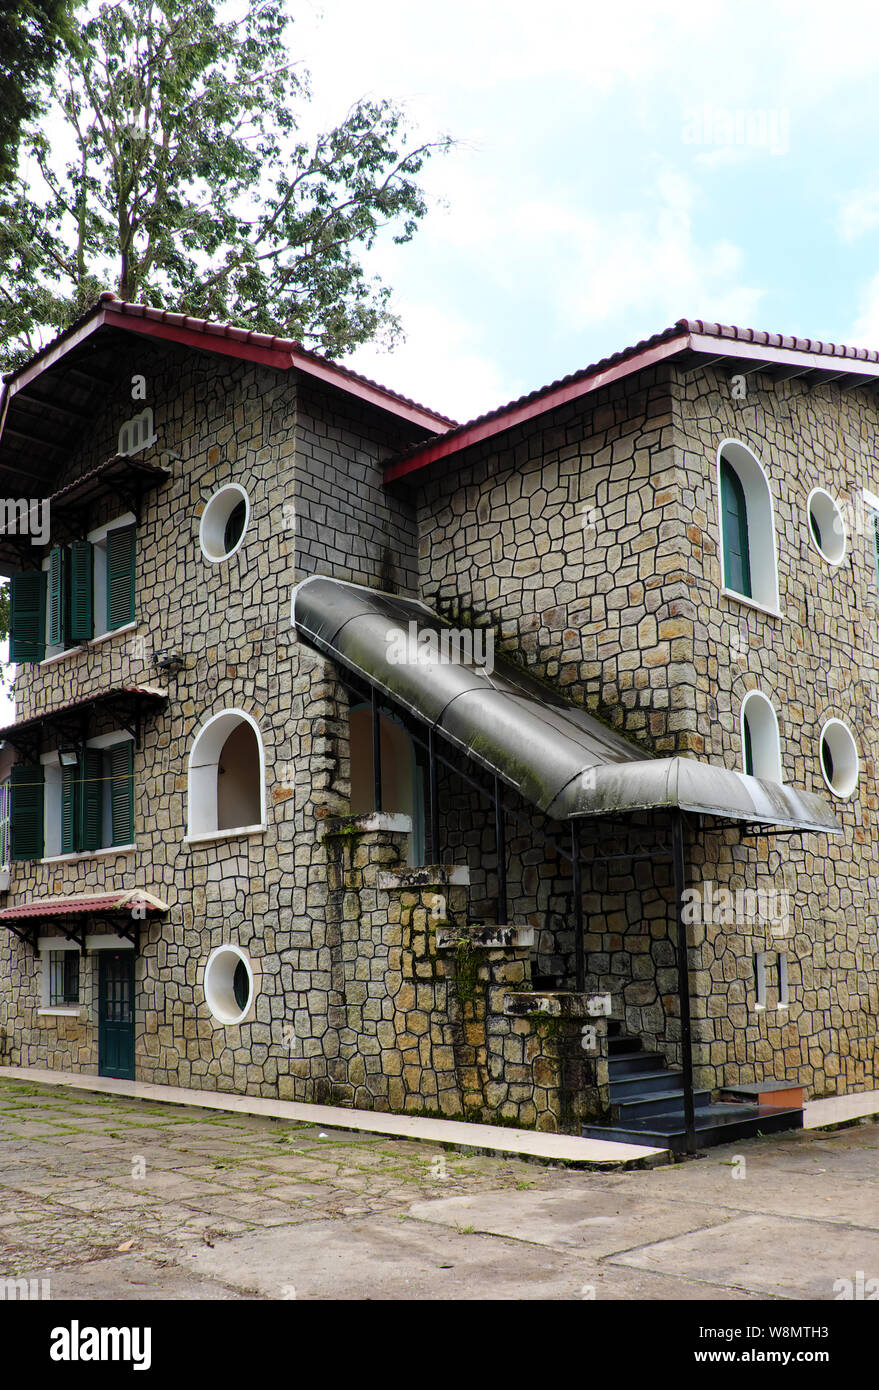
x=558, y=757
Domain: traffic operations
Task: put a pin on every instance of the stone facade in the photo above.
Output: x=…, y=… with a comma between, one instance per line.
x=588, y=540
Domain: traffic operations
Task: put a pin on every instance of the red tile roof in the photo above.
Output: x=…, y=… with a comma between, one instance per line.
x=683, y=336
x=288, y=351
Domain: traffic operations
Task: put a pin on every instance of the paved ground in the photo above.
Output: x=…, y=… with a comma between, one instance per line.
x=116, y=1198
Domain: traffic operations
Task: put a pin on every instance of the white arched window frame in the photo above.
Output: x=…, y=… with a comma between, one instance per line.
x=758, y=714
x=761, y=526
x=204, y=761
x=137, y=433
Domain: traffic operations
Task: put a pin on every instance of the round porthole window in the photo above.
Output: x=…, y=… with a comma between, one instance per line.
x=826, y=526
x=223, y=523
x=228, y=984
x=840, y=764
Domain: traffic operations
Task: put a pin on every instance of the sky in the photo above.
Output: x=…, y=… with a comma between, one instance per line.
x=618, y=167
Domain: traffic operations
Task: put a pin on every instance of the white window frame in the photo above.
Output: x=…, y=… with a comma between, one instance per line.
x=827, y=513
x=46, y=945
x=98, y=540
x=760, y=505
x=201, y=781
x=765, y=732
x=52, y=804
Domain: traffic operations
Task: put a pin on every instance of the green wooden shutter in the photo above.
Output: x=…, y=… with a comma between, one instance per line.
x=69, y=783
x=91, y=795
x=734, y=517
x=81, y=568
x=120, y=576
x=122, y=793
x=57, y=596
x=26, y=811
x=27, y=625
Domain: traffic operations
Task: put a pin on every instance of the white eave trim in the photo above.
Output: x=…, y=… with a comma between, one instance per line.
x=783, y=357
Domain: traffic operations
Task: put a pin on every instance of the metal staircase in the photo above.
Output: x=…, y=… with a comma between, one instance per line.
x=647, y=1105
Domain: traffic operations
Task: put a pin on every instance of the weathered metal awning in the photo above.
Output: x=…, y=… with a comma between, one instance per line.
x=130, y=704
x=122, y=910
x=559, y=758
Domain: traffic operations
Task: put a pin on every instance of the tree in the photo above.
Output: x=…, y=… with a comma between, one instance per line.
x=30, y=42
x=188, y=183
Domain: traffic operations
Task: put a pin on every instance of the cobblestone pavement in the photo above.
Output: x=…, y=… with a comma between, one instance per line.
x=117, y=1198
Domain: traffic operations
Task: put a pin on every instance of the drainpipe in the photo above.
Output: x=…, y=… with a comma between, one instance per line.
x=677, y=847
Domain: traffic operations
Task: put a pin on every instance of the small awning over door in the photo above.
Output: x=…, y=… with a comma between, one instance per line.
x=559, y=758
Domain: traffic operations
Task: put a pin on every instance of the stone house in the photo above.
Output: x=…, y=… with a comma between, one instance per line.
x=365, y=758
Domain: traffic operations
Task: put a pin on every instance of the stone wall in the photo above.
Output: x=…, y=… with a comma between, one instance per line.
x=818, y=660
x=217, y=421
x=589, y=540
x=348, y=524
x=424, y=999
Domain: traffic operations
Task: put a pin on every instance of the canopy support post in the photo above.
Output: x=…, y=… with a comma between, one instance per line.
x=677, y=841
x=376, y=751
x=433, y=796
x=577, y=889
x=500, y=840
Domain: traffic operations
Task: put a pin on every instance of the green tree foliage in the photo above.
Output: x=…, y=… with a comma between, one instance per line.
x=30, y=41
x=175, y=169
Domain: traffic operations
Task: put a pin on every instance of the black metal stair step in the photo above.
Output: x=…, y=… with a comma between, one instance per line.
x=635, y=1084
x=659, y=1106
x=622, y=1042
x=635, y=1062
x=722, y=1123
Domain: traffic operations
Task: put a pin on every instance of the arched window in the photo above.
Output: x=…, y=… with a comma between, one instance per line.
x=226, y=776
x=402, y=776
x=747, y=526
x=736, y=551
x=760, y=746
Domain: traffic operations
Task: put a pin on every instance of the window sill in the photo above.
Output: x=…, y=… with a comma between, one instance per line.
x=84, y=646
x=62, y=656
x=89, y=854
x=239, y=831
x=752, y=603
x=75, y=1011
x=113, y=632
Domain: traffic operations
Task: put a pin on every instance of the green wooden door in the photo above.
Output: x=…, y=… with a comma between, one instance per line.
x=116, y=1014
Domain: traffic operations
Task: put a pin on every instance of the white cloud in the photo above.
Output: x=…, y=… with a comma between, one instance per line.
x=865, y=331
x=442, y=364
x=859, y=213
x=646, y=259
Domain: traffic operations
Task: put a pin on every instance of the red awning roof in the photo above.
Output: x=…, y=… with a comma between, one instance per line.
x=85, y=903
